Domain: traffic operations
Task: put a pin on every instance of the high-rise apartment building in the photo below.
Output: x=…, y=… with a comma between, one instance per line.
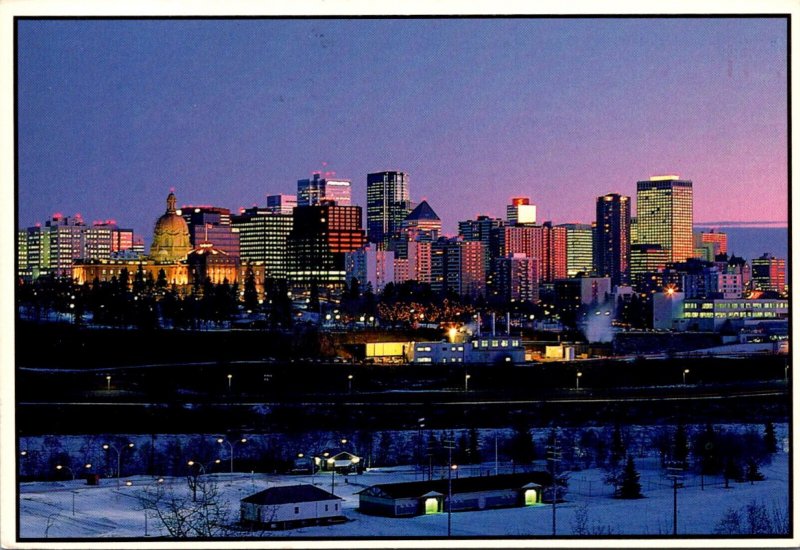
x=320, y=237
x=612, y=238
x=388, y=204
x=513, y=278
x=211, y=224
x=263, y=238
x=317, y=189
x=481, y=229
x=579, y=248
x=664, y=215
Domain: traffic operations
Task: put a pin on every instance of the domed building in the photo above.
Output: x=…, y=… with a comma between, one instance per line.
x=170, y=236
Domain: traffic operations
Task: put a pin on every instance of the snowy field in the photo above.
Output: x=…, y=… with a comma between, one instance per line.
x=71, y=509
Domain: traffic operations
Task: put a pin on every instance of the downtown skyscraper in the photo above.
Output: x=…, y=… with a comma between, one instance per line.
x=664, y=216
x=612, y=244
x=388, y=204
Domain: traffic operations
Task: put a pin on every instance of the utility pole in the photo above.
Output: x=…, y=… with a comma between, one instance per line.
x=449, y=444
x=675, y=473
x=553, y=456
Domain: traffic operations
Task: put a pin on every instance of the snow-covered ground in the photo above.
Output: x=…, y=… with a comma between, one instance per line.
x=46, y=508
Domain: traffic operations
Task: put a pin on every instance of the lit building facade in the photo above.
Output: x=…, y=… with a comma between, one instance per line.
x=612, y=238
x=769, y=273
x=263, y=236
x=521, y=211
x=317, y=189
x=664, y=215
x=388, y=204
x=647, y=263
x=320, y=237
x=709, y=244
x=513, y=279
x=422, y=223
x=211, y=224
x=281, y=204
x=579, y=248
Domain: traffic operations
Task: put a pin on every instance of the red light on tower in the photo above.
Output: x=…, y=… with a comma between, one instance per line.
x=519, y=201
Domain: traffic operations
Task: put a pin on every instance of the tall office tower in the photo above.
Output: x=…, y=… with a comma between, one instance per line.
x=97, y=241
x=514, y=278
x=612, y=247
x=664, y=215
x=65, y=243
x=769, y=273
x=315, y=190
x=36, y=260
x=647, y=262
x=634, y=230
x=521, y=211
x=211, y=224
x=480, y=229
x=263, y=238
x=281, y=204
x=320, y=237
x=388, y=204
x=709, y=244
x=422, y=223
x=23, y=269
x=579, y=248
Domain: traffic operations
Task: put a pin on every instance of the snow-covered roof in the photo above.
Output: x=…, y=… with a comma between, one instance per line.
x=290, y=493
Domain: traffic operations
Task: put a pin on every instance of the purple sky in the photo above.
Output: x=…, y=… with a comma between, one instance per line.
x=112, y=114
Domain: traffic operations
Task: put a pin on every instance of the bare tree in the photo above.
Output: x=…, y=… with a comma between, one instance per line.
x=207, y=515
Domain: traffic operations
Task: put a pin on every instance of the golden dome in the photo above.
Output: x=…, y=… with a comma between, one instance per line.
x=170, y=236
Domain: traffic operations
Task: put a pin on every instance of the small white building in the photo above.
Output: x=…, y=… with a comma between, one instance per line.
x=291, y=506
x=480, y=350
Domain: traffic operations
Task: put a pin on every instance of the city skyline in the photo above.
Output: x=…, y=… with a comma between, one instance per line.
x=560, y=110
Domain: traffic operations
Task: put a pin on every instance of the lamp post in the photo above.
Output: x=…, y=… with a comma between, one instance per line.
x=108, y=382
x=786, y=372
x=332, y=464
x=221, y=440
x=349, y=383
x=107, y=446
x=685, y=372
x=230, y=379
x=578, y=380
x=197, y=469
x=466, y=382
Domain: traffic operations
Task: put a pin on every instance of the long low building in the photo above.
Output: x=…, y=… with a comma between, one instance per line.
x=482, y=349
x=470, y=493
x=291, y=506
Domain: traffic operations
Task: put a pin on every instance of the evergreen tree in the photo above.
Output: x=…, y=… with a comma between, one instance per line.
x=617, y=447
x=753, y=473
x=161, y=281
x=629, y=486
x=732, y=471
x=522, y=447
x=770, y=440
x=680, y=451
x=474, y=448
x=250, y=292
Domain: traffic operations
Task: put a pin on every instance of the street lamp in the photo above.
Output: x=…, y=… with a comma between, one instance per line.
x=349, y=383
x=230, y=378
x=466, y=381
x=332, y=465
x=685, y=372
x=578, y=380
x=107, y=446
x=230, y=446
x=108, y=383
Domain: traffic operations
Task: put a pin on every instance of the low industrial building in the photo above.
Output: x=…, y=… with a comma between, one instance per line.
x=671, y=310
x=290, y=506
x=480, y=350
x=470, y=493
